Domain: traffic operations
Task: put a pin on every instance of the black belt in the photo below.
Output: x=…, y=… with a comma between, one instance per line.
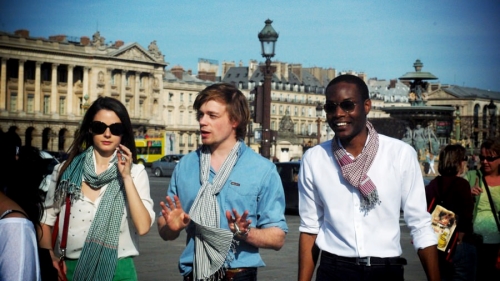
x=230, y=273
x=367, y=261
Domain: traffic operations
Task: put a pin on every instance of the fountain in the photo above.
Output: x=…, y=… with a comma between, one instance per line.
x=428, y=127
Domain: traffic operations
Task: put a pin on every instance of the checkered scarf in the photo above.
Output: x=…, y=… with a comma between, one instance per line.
x=212, y=243
x=355, y=171
x=99, y=255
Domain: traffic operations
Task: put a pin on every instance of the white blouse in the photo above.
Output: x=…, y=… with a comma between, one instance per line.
x=83, y=212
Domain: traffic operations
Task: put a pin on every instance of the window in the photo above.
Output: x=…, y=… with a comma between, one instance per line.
x=141, y=107
x=181, y=118
x=62, y=105
x=13, y=101
x=113, y=79
x=182, y=97
x=274, y=109
x=296, y=111
x=170, y=96
x=46, y=104
x=281, y=109
x=273, y=125
x=303, y=111
x=30, y=103
x=127, y=103
x=190, y=97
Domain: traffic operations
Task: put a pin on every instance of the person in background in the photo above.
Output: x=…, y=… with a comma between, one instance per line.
x=351, y=192
x=229, y=199
x=452, y=192
x=488, y=264
x=110, y=198
x=20, y=213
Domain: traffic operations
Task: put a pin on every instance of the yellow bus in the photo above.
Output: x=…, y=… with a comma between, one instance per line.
x=150, y=149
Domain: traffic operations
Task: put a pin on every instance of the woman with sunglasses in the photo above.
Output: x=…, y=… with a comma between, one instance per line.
x=109, y=198
x=484, y=220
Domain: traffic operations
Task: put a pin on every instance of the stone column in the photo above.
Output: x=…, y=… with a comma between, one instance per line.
x=159, y=113
x=137, y=93
x=122, y=86
x=38, y=85
x=53, y=90
x=69, y=94
x=137, y=97
x=107, y=80
x=3, y=84
x=86, y=83
x=20, y=86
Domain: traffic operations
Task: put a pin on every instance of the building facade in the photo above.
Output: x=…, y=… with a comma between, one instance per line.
x=47, y=84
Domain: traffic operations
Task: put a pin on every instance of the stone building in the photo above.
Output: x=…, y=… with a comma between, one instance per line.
x=47, y=84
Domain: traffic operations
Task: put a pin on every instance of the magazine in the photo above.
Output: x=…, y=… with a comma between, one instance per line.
x=444, y=223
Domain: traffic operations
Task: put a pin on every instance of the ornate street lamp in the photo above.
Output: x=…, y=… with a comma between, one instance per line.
x=319, y=111
x=492, y=108
x=267, y=37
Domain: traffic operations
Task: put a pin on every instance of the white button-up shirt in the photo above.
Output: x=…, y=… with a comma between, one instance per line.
x=330, y=207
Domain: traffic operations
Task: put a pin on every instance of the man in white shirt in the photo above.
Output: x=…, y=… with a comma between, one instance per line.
x=351, y=191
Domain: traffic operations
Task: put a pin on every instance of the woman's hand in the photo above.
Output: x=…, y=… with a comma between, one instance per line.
x=476, y=189
x=124, y=160
x=61, y=271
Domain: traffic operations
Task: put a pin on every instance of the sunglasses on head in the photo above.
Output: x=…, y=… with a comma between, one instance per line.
x=488, y=158
x=347, y=106
x=98, y=128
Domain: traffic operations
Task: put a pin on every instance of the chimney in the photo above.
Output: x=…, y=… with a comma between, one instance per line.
x=190, y=72
x=211, y=76
x=24, y=33
x=58, y=38
x=118, y=43
x=393, y=84
x=177, y=72
x=202, y=74
x=84, y=40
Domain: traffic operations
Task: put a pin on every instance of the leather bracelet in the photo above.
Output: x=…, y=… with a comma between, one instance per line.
x=239, y=233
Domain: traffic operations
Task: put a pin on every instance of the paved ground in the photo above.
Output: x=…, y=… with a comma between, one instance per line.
x=158, y=259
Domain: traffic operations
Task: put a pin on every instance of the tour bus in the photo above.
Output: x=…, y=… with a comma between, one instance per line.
x=152, y=148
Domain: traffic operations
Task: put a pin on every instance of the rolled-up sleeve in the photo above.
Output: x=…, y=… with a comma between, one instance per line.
x=414, y=203
x=50, y=212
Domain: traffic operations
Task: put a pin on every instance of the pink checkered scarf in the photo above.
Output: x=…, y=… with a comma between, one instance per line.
x=355, y=171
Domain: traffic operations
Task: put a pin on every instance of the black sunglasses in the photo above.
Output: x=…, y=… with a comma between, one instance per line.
x=346, y=106
x=98, y=128
x=488, y=158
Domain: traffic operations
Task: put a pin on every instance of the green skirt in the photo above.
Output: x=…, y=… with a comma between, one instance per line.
x=125, y=270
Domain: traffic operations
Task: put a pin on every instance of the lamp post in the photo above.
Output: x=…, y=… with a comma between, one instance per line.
x=492, y=108
x=197, y=138
x=319, y=111
x=267, y=37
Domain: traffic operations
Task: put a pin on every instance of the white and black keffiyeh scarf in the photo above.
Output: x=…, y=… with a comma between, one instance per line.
x=212, y=244
x=355, y=171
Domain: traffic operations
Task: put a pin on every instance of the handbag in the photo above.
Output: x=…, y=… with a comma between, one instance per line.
x=64, y=237
x=444, y=223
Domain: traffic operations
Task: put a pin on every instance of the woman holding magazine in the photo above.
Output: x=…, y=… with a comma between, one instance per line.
x=451, y=192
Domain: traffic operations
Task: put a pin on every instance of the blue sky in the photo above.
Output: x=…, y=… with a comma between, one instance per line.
x=457, y=40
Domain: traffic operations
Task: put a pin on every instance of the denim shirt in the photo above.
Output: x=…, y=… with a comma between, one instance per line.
x=254, y=185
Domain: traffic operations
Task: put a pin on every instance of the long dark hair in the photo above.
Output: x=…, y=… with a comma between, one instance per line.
x=84, y=137
x=21, y=178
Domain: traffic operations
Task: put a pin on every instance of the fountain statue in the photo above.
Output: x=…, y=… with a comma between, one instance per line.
x=420, y=132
